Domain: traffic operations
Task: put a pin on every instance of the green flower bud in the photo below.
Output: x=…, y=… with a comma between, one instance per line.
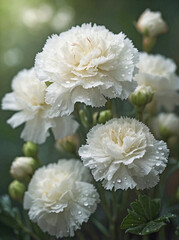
x=104, y=116
x=141, y=96
x=68, y=144
x=16, y=190
x=23, y=167
x=30, y=149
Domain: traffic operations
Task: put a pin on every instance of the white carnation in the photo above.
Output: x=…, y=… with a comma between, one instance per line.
x=151, y=23
x=28, y=97
x=124, y=154
x=167, y=122
x=22, y=167
x=158, y=73
x=60, y=197
x=86, y=64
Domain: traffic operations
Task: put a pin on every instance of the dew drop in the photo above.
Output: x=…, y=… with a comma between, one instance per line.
x=125, y=178
x=157, y=164
x=79, y=212
x=85, y=204
x=113, y=182
x=157, y=157
x=119, y=181
x=160, y=148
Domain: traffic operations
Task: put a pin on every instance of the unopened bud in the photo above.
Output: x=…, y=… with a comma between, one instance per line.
x=68, y=144
x=168, y=124
x=16, y=190
x=30, y=149
x=23, y=167
x=141, y=96
x=104, y=116
x=151, y=24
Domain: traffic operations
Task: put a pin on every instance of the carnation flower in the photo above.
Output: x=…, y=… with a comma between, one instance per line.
x=86, y=64
x=28, y=97
x=60, y=197
x=158, y=73
x=22, y=167
x=151, y=23
x=166, y=124
x=124, y=154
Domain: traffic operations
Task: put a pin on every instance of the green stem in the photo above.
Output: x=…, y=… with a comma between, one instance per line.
x=145, y=237
x=108, y=104
x=103, y=200
x=162, y=234
x=28, y=231
x=139, y=111
x=38, y=161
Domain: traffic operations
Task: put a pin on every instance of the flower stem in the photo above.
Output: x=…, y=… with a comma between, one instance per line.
x=28, y=231
x=145, y=237
x=139, y=111
x=162, y=234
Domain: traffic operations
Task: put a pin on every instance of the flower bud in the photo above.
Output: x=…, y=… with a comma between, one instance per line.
x=68, y=144
x=151, y=24
x=141, y=96
x=104, y=116
x=22, y=167
x=168, y=124
x=16, y=190
x=30, y=149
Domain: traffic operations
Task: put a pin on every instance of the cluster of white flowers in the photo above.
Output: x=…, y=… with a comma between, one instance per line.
x=151, y=23
x=28, y=97
x=158, y=72
x=86, y=64
x=124, y=154
x=89, y=64
x=60, y=197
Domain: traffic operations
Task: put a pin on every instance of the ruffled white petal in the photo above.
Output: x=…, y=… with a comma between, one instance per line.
x=86, y=64
x=60, y=197
x=158, y=72
x=64, y=126
x=36, y=130
x=9, y=102
x=123, y=153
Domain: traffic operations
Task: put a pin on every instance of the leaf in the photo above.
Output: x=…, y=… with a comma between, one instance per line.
x=144, y=218
x=8, y=214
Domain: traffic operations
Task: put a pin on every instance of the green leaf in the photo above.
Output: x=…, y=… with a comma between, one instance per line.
x=8, y=214
x=144, y=218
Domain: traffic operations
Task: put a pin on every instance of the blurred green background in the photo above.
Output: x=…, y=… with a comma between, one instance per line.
x=24, y=28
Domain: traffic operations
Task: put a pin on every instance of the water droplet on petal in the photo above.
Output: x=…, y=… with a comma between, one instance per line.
x=79, y=212
x=125, y=178
x=157, y=157
x=160, y=148
x=119, y=181
x=157, y=164
x=85, y=204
